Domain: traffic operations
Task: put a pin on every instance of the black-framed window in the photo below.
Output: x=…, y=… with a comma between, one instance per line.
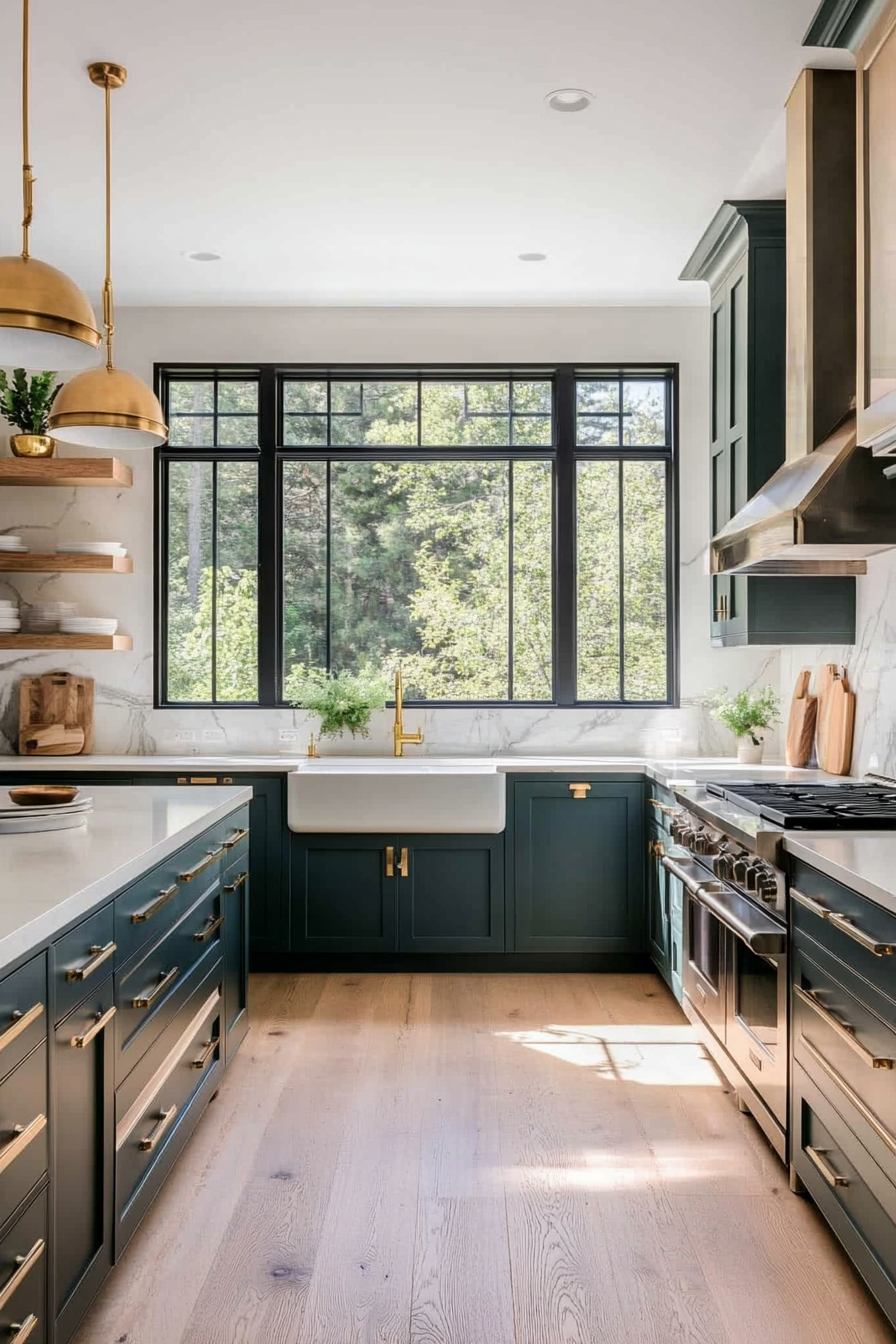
x=509, y=535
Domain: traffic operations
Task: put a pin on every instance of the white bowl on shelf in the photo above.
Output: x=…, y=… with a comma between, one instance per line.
x=91, y=548
x=83, y=626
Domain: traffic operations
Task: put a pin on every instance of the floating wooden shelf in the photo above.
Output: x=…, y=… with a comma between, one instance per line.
x=61, y=562
x=115, y=643
x=65, y=471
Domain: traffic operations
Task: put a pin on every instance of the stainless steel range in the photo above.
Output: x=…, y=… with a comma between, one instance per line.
x=729, y=860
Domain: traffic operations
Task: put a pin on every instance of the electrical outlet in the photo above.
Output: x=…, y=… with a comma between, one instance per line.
x=289, y=735
x=214, y=735
x=183, y=735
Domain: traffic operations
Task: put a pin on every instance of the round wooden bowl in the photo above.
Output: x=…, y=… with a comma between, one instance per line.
x=43, y=795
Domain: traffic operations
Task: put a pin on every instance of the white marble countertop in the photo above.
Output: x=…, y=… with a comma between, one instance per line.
x=49, y=879
x=862, y=860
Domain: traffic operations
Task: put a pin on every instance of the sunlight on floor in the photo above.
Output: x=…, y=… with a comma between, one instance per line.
x=623, y=1169
x=651, y=1055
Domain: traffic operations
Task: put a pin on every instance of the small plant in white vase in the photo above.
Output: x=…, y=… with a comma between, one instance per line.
x=748, y=714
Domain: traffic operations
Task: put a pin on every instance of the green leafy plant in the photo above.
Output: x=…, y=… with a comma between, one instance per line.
x=747, y=711
x=27, y=403
x=343, y=700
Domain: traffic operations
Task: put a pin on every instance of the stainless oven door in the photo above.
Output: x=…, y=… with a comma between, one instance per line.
x=756, y=1034
x=704, y=970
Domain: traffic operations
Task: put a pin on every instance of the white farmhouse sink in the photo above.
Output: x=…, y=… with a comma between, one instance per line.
x=383, y=794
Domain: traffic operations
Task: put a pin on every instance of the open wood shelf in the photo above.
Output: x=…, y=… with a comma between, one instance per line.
x=65, y=471
x=114, y=643
x=59, y=562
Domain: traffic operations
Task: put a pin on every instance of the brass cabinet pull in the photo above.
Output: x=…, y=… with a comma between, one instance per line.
x=22, y=1136
x=20, y=1022
x=165, y=979
x=233, y=840
x=211, y=927
x=663, y=807
x=403, y=863
x=141, y=916
x=182, y=779
x=579, y=790
x=390, y=861
x=97, y=956
x=851, y=1095
x=237, y=883
x=23, y=1331
x=162, y=1126
x=866, y=940
x=842, y=1029
x=203, y=779
x=24, y=1266
x=100, y=1022
x=211, y=857
x=817, y=1157
x=656, y=849
x=816, y=907
x=721, y=612
x=207, y=1053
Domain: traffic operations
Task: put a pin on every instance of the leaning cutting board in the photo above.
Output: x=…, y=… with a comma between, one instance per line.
x=801, y=723
x=839, y=723
x=56, y=715
x=827, y=675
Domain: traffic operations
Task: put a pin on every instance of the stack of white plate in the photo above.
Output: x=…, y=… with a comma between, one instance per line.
x=92, y=548
x=8, y=543
x=42, y=618
x=9, y=618
x=87, y=625
x=15, y=820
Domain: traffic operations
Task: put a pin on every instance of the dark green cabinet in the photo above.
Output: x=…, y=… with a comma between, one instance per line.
x=452, y=899
x=343, y=893
x=235, y=906
x=742, y=258
x=659, y=911
x=579, y=866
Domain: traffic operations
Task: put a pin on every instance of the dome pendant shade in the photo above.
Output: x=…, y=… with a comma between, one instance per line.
x=108, y=408
x=45, y=320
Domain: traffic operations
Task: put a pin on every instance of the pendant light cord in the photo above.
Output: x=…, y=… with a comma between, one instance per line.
x=108, y=307
x=27, y=170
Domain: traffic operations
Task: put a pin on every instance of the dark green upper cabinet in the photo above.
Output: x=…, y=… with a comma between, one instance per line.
x=741, y=256
x=579, y=866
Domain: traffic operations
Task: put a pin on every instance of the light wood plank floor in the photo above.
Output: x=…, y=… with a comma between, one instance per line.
x=494, y=1159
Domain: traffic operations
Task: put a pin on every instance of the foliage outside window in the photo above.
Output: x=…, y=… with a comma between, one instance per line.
x=507, y=536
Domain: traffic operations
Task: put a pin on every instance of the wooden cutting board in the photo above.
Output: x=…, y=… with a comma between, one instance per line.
x=839, y=723
x=56, y=715
x=827, y=675
x=801, y=723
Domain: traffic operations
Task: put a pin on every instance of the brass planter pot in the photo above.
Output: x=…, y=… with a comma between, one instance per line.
x=32, y=445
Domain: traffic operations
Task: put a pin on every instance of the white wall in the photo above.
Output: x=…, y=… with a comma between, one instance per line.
x=126, y=721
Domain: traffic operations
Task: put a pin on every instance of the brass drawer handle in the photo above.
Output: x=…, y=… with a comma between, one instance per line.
x=20, y=1022
x=141, y=916
x=579, y=790
x=237, y=883
x=24, y=1266
x=207, y=1053
x=403, y=863
x=166, y=978
x=851, y=1095
x=211, y=857
x=162, y=1126
x=211, y=927
x=23, y=1331
x=817, y=1157
x=233, y=840
x=390, y=861
x=845, y=1032
x=663, y=807
x=97, y=956
x=866, y=940
x=656, y=849
x=816, y=907
x=23, y=1135
x=200, y=779
x=100, y=1022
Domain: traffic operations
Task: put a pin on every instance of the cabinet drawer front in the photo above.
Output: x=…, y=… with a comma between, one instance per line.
x=153, y=905
x=846, y=924
x=145, y=1130
x=23, y=1012
x=149, y=990
x=23, y=1274
x=23, y=1131
x=82, y=957
x=849, y=1053
x=853, y=1194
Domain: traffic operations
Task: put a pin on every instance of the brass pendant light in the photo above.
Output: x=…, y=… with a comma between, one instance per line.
x=108, y=408
x=45, y=320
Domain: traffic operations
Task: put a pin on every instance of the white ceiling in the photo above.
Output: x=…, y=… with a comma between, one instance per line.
x=398, y=151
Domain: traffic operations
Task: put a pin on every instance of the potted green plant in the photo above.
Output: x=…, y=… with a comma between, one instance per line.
x=344, y=701
x=747, y=714
x=26, y=403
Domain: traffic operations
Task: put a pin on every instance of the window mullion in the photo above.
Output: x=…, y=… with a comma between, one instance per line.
x=565, y=540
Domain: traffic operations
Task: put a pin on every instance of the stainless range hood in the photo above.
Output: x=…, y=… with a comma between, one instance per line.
x=829, y=507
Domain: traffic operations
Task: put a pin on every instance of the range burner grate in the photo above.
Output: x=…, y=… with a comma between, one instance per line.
x=815, y=806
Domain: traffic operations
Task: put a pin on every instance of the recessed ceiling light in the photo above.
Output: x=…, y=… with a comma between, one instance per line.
x=569, y=100
x=533, y=256
x=203, y=256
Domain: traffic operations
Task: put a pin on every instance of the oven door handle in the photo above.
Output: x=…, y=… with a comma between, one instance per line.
x=761, y=934
x=690, y=876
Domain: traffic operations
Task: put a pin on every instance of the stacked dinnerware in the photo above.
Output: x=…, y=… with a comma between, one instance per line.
x=8, y=543
x=10, y=622
x=87, y=625
x=92, y=548
x=42, y=618
x=15, y=820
